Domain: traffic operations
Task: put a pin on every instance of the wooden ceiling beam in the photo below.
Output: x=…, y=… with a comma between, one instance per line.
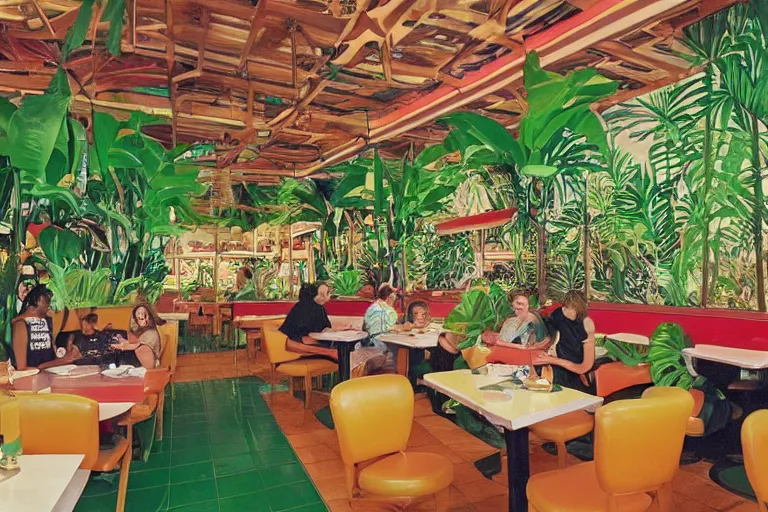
x=254, y=35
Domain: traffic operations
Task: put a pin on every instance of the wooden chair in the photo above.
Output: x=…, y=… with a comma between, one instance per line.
x=169, y=351
x=69, y=424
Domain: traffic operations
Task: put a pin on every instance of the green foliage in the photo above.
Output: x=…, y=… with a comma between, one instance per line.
x=79, y=288
x=480, y=309
x=666, y=357
x=60, y=246
x=33, y=130
x=346, y=282
x=628, y=353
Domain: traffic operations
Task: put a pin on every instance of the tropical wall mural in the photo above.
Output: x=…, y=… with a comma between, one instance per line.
x=658, y=200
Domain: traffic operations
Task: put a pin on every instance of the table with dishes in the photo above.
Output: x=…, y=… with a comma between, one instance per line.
x=58, y=475
x=344, y=341
x=512, y=410
x=116, y=390
x=407, y=340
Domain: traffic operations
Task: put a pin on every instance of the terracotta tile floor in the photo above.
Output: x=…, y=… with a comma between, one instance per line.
x=317, y=448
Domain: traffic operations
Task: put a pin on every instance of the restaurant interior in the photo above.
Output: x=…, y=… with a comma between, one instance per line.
x=383, y=255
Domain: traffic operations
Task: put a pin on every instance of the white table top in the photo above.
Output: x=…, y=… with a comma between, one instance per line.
x=177, y=317
x=256, y=318
x=109, y=410
x=341, y=336
x=43, y=479
x=747, y=359
x=413, y=340
x=355, y=322
x=625, y=337
x=522, y=409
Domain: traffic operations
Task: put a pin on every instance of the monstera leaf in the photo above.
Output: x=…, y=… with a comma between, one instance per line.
x=666, y=356
x=473, y=315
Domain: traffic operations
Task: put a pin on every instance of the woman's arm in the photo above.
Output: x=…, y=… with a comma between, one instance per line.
x=145, y=356
x=542, y=345
x=20, y=342
x=67, y=359
x=491, y=338
x=589, y=353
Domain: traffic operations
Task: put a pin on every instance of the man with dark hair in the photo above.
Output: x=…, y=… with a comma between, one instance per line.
x=32, y=334
x=306, y=316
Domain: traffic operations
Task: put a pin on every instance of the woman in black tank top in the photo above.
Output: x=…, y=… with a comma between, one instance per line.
x=33, y=345
x=576, y=346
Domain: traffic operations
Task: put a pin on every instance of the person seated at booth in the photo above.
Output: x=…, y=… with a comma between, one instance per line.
x=381, y=318
x=86, y=344
x=417, y=317
x=306, y=316
x=524, y=330
x=143, y=337
x=32, y=334
x=574, y=354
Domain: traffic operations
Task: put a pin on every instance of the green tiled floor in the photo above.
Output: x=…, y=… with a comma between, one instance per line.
x=222, y=452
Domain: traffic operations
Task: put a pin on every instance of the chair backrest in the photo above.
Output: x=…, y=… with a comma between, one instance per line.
x=274, y=343
x=60, y=425
x=754, y=441
x=373, y=416
x=638, y=443
x=169, y=335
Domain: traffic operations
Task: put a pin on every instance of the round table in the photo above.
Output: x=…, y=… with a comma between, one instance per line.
x=109, y=410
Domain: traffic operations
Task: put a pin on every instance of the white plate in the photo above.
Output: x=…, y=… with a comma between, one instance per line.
x=61, y=370
x=116, y=373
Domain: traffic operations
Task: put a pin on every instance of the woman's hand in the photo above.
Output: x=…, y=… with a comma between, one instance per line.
x=542, y=358
x=490, y=338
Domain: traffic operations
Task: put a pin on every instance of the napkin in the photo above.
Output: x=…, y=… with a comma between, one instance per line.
x=125, y=371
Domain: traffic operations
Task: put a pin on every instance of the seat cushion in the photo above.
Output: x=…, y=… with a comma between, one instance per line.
x=575, y=489
x=564, y=428
x=303, y=367
x=109, y=460
x=407, y=475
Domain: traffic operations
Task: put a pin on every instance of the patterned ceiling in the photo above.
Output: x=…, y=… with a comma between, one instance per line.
x=288, y=87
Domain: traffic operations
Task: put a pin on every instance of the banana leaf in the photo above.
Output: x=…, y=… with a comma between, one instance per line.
x=61, y=246
x=77, y=32
x=33, y=128
x=668, y=366
x=627, y=353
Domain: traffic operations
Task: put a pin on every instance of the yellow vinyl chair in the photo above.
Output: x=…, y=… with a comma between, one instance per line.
x=292, y=364
x=754, y=441
x=562, y=429
x=169, y=353
x=75, y=418
x=373, y=417
x=637, y=451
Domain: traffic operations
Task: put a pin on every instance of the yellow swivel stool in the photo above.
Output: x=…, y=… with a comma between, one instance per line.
x=373, y=417
x=754, y=441
x=637, y=451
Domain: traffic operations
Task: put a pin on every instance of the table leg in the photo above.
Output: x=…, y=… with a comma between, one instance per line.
x=403, y=356
x=518, y=468
x=344, y=350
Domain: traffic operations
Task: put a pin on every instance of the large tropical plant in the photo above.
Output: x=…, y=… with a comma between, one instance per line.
x=559, y=136
x=400, y=195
